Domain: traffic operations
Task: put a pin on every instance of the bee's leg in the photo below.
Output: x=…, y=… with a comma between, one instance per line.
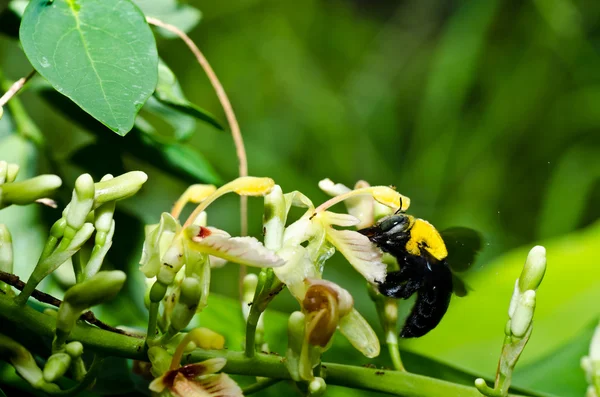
x=400, y=284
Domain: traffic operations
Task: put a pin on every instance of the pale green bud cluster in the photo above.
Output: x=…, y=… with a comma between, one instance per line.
x=591, y=365
x=77, y=224
x=27, y=191
x=522, y=304
x=520, y=322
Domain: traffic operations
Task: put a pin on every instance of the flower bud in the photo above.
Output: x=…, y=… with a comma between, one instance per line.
x=119, y=188
x=6, y=250
x=74, y=349
x=534, y=269
x=157, y=292
x=11, y=172
x=160, y=360
x=295, y=333
x=25, y=365
x=185, y=308
x=81, y=202
x=523, y=315
x=317, y=387
x=93, y=291
x=56, y=366
x=248, y=290
x=28, y=191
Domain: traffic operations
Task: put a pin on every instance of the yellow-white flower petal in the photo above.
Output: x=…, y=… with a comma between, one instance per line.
x=361, y=207
x=360, y=252
x=297, y=199
x=252, y=186
x=388, y=196
x=333, y=218
x=333, y=189
x=297, y=268
x=243, y=250
x=158, y=238
x=360, y=334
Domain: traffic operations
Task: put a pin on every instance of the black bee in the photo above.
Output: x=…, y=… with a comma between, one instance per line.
x=427, y=260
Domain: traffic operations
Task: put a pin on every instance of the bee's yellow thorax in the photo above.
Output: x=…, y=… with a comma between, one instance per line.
x=424, y=236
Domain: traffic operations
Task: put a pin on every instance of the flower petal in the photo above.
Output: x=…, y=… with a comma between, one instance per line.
x=297, y=199
x=333, y=218
x=243, y=250
x=345, y=301
x=360, y=207
x=297, y=268
x=388, y=196
x=211, y=386
x=252, y=186
x=158, y=237
x=360, y=334
x=360, y=252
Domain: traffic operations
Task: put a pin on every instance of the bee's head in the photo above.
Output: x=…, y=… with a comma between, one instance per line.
x=388, y=227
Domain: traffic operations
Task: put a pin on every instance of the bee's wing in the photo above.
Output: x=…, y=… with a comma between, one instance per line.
x=459, y=287
x=462, y=244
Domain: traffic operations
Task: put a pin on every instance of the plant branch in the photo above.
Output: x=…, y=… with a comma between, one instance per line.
x=15, y=88
x=43, y=297
x=259, y=385
x=264, y=365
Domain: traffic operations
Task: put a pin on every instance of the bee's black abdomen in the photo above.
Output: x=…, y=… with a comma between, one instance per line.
x=432, y=302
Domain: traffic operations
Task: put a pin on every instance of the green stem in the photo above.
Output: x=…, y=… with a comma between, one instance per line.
x=263, y=288
x=260, y=385
x=13, y=316
x=251, y=332
x=78, y=267
x=395, y=355
x=151, y=333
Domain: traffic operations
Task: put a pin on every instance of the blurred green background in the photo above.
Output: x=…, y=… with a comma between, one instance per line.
x=485, y=113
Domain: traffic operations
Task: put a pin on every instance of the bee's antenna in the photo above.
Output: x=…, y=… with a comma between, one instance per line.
x=399, y=209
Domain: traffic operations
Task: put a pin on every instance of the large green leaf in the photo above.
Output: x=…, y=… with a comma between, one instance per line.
x=99, y=53
x=184, y=16
x=470, y=335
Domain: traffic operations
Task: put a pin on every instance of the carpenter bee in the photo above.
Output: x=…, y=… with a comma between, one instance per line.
x=427, y=260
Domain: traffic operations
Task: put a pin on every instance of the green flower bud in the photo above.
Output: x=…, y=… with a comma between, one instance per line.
x=95, y=290
x=295, y=333
x=11, y=172
x=274, y=218
x=3, y=171
x=160, y=359
x=521, y=319
x=534, y=269
x=185, y=308
x=26, y=192
x=317, y=387
x=157, y=292
x=248, y=290
x=119, y=188
x=74, y=349
x=56, y=366
x=81, y=202
x=6, y=250
x=24, y=363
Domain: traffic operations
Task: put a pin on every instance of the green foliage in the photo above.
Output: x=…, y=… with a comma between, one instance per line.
x=483, y=113
x=107, y=42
